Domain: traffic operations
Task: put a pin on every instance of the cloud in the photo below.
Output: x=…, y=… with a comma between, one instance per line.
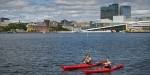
x=137, y=13
x=22, y=9
x=13, y=4
x=85, y=10
x=76, y=2
x=141, y=12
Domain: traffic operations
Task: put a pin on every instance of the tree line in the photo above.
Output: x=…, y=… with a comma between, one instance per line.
x=13, y=26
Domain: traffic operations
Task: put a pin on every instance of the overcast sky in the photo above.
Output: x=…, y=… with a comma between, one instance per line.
x=80, y=10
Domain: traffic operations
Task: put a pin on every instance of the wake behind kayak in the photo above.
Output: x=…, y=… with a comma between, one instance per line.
x=103, y=70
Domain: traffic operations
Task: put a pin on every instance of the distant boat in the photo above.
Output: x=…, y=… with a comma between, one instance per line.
x=65, y=32
x=12, y=32
x=95, y=31
x=43, y=32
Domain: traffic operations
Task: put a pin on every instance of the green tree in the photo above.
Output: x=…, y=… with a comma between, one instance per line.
x=17, y=26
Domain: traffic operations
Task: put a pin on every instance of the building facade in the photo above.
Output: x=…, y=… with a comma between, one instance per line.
x=46, y=22
x=110, y=11
x=119, y=19
x=125, y=11
x=141, y=26
x=4, y=21
x=37, y=27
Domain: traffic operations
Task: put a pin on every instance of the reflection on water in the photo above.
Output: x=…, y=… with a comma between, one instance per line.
x=42, y=54
x=106, y=73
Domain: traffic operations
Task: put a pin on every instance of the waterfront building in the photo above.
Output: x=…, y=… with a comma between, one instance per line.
x=92, y=24
x=47, y=22
x=140, y=26
x=125, y=11
x=54, y=24
x=51, y=23
x=100, y=23
x=110, y=11
x=142, y=18
x=37, y=27
x=119, y=19
x=4, y=21
x=82, y=25
x=105, y=22
x=66, y=22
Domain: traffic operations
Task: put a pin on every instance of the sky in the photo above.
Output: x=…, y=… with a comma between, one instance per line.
x=78, y=10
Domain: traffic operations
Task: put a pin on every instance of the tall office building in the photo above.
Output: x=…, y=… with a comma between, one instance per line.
x=110, y=11
x=125, y=11
x=115, y=10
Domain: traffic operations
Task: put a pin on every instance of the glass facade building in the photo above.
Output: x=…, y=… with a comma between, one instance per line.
x=114, y=10
x=125, y=11
x=110, y=11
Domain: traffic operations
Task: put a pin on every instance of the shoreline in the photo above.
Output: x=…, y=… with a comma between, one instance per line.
x=72, y=32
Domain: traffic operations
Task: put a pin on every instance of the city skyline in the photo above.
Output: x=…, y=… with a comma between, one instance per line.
x=79, y=10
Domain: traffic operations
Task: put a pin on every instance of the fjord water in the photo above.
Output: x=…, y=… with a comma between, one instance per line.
x=42, y=54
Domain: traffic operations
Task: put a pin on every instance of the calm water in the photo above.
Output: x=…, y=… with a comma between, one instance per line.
x=42, y=54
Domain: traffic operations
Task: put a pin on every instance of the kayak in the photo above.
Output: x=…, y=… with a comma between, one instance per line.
x=103, y=70
x=78, y=66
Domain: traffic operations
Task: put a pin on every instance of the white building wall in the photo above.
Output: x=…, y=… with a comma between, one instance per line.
x=118, y=19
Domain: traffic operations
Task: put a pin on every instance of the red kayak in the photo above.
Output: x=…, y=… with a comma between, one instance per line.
x=78, y=66
x=103, y=70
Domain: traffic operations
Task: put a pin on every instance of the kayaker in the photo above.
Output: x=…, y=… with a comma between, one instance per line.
x=87, y=59
x=107, y=64
x=101, y=62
